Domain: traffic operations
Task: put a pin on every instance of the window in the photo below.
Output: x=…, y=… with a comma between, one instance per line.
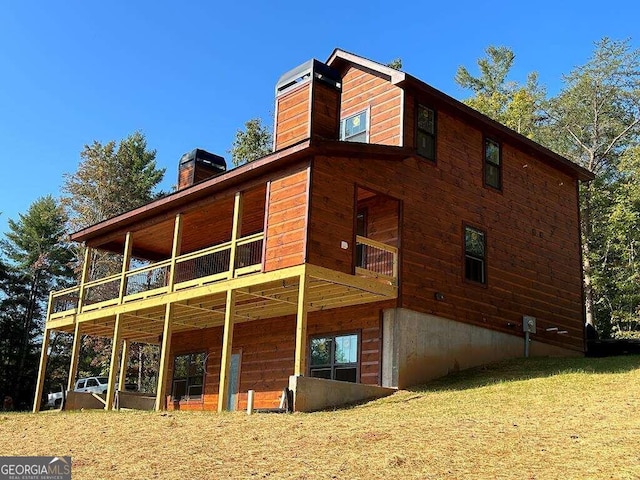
x=92, y=382
x=355, y=128
x=188, y=376
x=335, y=357
x=474, y=255
x=492, y=164
x=426, y=132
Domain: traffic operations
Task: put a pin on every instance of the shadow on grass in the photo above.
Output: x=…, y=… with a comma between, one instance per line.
x=528, y=368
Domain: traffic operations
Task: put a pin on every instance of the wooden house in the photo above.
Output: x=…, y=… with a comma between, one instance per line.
x=394, y=235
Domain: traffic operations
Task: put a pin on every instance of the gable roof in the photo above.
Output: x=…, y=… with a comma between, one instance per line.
x=341, y=57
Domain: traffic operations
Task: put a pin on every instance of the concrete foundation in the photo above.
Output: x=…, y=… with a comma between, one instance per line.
x=80, y=400
x=418, y=347
x=136, y=401
x=313, y=394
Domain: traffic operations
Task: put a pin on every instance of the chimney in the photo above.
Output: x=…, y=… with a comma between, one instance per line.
x=199, y=165
x=307, y=104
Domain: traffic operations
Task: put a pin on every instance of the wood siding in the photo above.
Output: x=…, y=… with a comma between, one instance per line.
x=292, y=116
x=363, y=90
x=325, y=111
x=533, y=255
x=287, y=220
x=267, y=350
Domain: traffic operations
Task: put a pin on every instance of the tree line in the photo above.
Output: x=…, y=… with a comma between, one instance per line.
x=594, y=120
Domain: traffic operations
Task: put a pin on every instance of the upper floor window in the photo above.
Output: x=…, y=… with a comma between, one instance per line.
x=355, y=128
x=492, y=164
x=475, y=244
x=335, y=357
x=426, y=132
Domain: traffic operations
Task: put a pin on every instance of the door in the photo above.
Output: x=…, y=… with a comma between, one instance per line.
x=234, y=381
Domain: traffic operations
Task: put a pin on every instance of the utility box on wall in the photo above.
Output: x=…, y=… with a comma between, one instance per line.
x=528, y=324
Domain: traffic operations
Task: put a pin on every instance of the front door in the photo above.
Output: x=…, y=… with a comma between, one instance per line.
x=234, y=381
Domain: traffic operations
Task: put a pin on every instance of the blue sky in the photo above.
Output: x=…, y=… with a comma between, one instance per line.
x=189, y=74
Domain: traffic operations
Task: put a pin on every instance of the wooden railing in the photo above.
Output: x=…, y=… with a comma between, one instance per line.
x=376, y=259
x=212, y=264
x=192, y=269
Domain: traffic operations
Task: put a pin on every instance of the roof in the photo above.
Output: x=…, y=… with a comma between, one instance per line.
x=341, y=57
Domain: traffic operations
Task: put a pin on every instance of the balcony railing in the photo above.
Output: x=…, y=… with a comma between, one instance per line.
x=192, y=269
x=376, y=259
x=212, y=264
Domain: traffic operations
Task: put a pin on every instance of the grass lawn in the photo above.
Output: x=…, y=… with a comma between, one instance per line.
x=524, y=419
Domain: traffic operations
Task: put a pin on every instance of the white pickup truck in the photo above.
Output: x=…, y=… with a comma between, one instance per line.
x=89, y=384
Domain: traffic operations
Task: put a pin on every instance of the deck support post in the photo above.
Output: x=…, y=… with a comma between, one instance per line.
x=165, y=348
x=227, y=344
x=236, y=231
x=124, y=362
x=116, y=347
x=300, y=367
x=84, y=277
x=175, y=251
x=126, y=262
x=75, y=356
x=44, y=355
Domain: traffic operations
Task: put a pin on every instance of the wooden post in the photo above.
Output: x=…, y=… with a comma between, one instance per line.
x=37, y=400
x=300, y=367
x=113, y=366
x=126, y=262
x=124, y=362
x=235, y=232
x=175, y=251
x=75, y=356
x=86, y=266
x=227, y=344
x=164, y=358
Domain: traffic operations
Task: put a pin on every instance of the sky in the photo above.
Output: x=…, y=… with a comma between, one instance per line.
x=189, y=74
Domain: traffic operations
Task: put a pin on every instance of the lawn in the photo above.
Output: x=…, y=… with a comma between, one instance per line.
x=524, y=419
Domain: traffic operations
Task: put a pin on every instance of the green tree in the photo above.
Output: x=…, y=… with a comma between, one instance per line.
x=254, y=142
x=111, y=179
x=595, y=122
x=396, y=64
x=516, y=106
x=37, y=259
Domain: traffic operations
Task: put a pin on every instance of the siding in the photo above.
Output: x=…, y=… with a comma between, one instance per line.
x=287, y=220
x=268, y=351
x=362, y=90
x=533, y=255
x=292, y=116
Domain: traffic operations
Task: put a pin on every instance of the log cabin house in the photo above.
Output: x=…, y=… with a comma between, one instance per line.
x=394, y=235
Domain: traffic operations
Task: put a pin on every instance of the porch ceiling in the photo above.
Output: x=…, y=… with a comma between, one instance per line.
x=204, y=307
x=207, y=222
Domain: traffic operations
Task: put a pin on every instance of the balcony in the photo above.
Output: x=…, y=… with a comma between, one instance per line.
x=191, y=270
x=196, y=282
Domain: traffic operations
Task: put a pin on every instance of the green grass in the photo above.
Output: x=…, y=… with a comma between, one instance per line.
x=524, y=419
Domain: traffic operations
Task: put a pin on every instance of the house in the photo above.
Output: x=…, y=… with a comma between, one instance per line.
x=394, y=235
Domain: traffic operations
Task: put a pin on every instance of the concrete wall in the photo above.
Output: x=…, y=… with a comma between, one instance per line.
x=418, y=347
x=313, y=394
x=80, y=400
x=137, y=401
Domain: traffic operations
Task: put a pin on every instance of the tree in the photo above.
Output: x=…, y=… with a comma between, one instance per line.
x=396, y=64
x=37, y=260
x=516, y=106
x=254, y=142
x=111, y=179
x=595, y=120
